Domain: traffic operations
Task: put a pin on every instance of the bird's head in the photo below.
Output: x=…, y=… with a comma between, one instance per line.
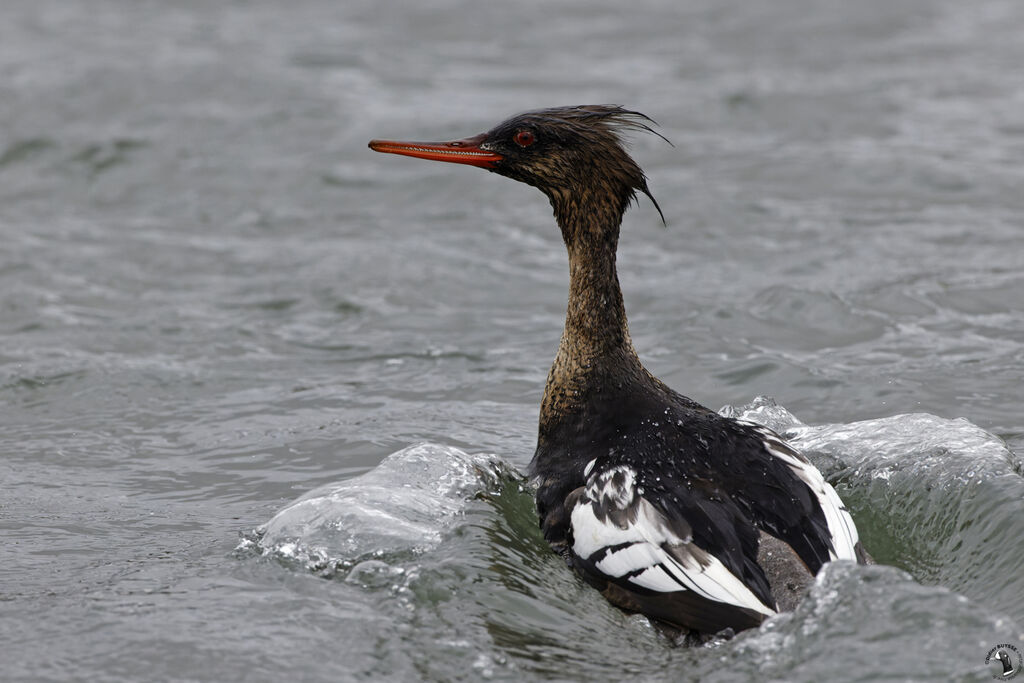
x=572, y=154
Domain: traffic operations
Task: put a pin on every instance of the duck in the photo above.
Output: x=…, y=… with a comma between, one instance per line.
x=703, y=523
x=1004, y=658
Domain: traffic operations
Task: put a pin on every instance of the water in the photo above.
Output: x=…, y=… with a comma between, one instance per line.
x=216, y=301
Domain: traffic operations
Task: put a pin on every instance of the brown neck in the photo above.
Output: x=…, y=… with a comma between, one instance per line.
x=595, y=342
x=595, y=320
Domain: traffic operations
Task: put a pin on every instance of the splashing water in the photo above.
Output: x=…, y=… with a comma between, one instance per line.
x=404, y=506
x=938, y=497
x=933, y=498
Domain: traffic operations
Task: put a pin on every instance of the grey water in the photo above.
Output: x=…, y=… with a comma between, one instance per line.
x=265, y=395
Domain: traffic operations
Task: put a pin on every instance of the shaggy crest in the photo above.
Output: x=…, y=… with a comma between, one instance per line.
x=590, y=138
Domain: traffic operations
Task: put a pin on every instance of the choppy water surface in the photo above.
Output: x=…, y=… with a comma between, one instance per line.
x=264, y=395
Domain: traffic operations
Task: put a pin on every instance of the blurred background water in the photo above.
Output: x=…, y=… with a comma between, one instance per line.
x=215, y=300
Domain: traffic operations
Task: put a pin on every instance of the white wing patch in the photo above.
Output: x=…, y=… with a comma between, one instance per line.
x=840, y=523
x=635, y=553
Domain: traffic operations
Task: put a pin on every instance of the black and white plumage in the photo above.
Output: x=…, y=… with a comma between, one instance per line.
x=629, y=533
x=696, y=520
x=674, y=517
x=842, y=531
x=619, y=535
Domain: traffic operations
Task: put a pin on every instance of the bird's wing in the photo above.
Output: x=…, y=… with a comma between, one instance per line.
x=841, y=530
x=641, y=543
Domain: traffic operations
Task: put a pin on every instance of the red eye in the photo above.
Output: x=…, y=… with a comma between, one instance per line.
x=524, y=138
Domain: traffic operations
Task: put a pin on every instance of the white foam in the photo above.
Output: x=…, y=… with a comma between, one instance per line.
x=927, y=447
x=405, y=504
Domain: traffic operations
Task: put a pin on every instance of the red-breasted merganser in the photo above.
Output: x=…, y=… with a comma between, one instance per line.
x=698, y=521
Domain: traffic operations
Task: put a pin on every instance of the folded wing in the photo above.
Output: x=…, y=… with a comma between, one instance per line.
x=642, y=554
